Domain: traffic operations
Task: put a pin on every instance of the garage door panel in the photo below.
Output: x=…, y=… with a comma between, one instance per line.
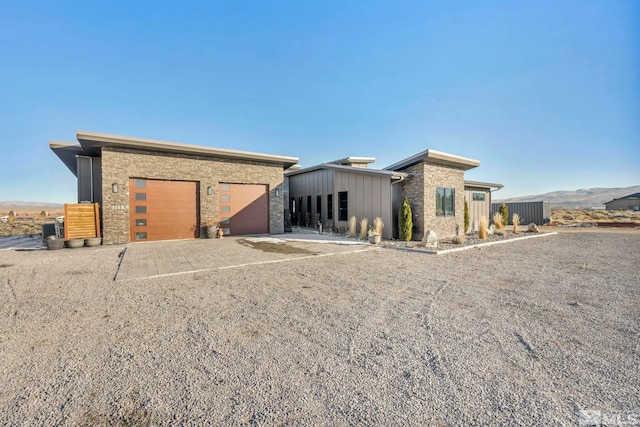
x=171, y=210
x=244, y=208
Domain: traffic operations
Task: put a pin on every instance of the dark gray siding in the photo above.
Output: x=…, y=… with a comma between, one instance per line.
x=528, y=212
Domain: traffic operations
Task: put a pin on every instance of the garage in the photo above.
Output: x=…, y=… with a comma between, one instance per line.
x=244, y=208
x=163, y=210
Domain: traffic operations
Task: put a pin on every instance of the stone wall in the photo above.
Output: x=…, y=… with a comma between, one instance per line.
x=118, y=165
x=420, y=189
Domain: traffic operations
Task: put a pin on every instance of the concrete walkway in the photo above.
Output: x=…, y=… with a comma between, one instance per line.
x=157, y=259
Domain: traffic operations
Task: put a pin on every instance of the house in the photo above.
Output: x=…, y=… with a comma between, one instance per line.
x=154, y=190
x=630, y=202
x=432, y=181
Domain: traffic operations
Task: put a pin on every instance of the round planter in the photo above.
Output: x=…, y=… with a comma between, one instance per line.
x=93, y=241
x=212, y=231
x=53, y=243
x=75, y=243
x=375, y=239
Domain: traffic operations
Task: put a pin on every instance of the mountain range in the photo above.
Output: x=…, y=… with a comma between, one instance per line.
x=582, y=198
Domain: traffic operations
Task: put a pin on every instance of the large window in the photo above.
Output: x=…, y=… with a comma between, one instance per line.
x=342, y=206
x=445, y=201
x=329, y=206
x=319, y=207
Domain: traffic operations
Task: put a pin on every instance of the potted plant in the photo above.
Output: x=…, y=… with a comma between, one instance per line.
x=212, y=228
x=375, y=233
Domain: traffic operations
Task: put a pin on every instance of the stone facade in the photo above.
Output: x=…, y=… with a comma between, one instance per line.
x=420, y=191
x=118, y=165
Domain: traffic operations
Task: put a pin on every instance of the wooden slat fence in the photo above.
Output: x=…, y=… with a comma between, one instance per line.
x=81, y=221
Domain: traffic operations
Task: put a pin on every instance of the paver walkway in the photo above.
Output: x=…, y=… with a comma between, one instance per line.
x=154, y=259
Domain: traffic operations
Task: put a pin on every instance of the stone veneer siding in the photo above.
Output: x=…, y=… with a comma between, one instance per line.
x=118, y=165
x=420, y=190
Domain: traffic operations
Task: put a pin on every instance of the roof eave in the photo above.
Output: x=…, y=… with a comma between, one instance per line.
x=436, y=157
x=92, y=143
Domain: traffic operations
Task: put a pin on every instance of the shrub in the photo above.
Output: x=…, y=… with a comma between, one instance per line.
x=405, y=222
x=482, y=232
x=504, y=211
x=364, y=222
x=466, y=217
x=352, y=227
x=378, y=225
x=515, y=219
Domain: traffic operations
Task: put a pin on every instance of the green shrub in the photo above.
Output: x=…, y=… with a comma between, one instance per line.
x=405, y=221
x=466, y=217
x=504, y=211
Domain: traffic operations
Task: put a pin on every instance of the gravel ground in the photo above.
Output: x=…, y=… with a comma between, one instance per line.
x=526, y=333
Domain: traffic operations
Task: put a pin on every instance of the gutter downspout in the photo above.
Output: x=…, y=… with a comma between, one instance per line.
x=90, y=174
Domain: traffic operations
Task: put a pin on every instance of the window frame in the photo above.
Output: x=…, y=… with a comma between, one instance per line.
x=444, y=195
x=343, y=211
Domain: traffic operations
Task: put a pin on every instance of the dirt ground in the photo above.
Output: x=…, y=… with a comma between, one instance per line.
x=534, y=332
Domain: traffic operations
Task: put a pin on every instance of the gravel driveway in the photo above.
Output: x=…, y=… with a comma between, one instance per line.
x=525, y=333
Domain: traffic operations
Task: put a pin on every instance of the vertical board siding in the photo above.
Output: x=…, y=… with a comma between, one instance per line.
x=528, y=212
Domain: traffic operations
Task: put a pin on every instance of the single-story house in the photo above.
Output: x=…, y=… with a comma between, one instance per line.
x=432, y=181
x=630, y=202
x=153, y=190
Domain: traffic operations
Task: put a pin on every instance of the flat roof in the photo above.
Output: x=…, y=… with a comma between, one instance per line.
x=92, y=142
x=351, y=169
x=435, y=157
x=480, y=184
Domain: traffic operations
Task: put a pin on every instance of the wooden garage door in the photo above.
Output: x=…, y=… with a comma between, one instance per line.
x=244, y=209
x=163, y=210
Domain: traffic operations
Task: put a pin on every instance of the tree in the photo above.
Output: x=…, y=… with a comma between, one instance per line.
x=405, y=221
x=466, y=217
x=504, y=211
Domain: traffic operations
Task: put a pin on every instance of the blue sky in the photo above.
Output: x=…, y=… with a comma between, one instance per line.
x=546, y=95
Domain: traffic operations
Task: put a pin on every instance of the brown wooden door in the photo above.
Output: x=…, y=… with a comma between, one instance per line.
x=163, y=210
x=244, y=209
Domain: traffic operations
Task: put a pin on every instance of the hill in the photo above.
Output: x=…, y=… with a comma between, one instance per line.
x=582, y=198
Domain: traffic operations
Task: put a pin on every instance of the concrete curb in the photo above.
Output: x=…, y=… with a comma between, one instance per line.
x=479, y=245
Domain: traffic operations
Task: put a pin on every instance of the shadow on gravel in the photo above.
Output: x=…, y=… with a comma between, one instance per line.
x=278, y=248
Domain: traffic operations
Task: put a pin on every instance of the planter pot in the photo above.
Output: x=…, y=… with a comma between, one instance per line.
x=75, y=243
x=53, y=243
x=93, y=241
x=212, y=231
x=375, y=239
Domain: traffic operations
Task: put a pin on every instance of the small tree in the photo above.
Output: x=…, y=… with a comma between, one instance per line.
x=466, y=217
x=405, y=221
x=504, y=211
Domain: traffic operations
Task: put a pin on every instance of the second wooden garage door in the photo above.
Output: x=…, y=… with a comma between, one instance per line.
x=163, y=210
x=244, y=209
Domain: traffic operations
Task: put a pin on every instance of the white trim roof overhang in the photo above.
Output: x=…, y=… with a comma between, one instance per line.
x=91, y=144
x=435, y=157
x=393, y=175
x=482, y=184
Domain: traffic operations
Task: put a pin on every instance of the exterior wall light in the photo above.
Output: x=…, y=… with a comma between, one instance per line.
x=114, y=187
x=209, y=190
x=277, y=192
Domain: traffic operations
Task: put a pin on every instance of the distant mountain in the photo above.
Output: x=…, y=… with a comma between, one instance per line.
x=583, y=198
x=18, y=205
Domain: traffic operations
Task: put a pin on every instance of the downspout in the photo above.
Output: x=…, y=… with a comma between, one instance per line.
x=90, y=174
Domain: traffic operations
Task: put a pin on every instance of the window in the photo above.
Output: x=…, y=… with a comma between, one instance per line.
x=445, y=201
x=309, y=205
x=141, y=222
x=225, y=221
x=141, y=209
x=342, y=206
x=225, y=209
x=139, y=183
x=319, y=207
x=329, y=206
x=141, y=235
x=225, y=198
x=225, y=187
x=141, y=196
x=478, y=197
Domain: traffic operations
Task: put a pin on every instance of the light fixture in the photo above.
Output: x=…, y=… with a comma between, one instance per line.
x=277, y=192
x=209, y=190
x=114, y=187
